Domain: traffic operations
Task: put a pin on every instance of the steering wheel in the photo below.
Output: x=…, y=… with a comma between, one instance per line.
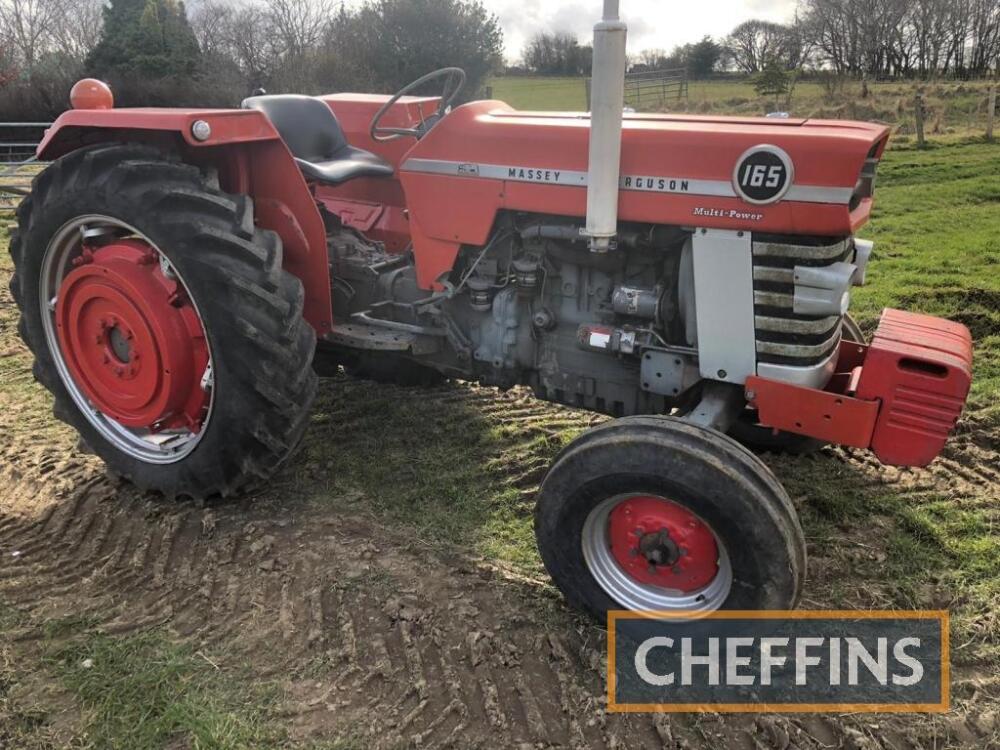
x=455, y=80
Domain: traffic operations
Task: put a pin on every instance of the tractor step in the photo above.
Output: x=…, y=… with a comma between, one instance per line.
x=359, y=336
x=379, y=338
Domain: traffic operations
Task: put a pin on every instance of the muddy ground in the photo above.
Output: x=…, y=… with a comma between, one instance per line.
x=379, y=632
x=369, y=635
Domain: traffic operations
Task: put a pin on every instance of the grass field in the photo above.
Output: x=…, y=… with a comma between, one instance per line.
x=953, y=108
x=453, y=472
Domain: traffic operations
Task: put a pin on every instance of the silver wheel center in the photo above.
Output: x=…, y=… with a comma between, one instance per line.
x=638, y=596
x=164, y=446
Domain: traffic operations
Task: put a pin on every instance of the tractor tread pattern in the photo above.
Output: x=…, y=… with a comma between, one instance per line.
x=252, y=309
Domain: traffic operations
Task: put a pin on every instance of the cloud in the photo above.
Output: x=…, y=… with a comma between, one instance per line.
x=652, y=23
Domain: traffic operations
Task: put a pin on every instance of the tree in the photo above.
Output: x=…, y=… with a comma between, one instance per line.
x=773, y=81
x=557, y=54
x=394, y=42
x=27, y=27
x=78, y=29
x=652, y=59
x=703, y=57
x=752, y=44
x=147, y=38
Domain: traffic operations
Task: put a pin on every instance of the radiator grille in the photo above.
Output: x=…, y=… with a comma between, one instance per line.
x=783, y=336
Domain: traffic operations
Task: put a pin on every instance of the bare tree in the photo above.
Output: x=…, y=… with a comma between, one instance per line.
x=212, y=23
x=77, y=29
x=558, y=53
x=299, y=25
x=753, y=44
x=28, y=25
x=984, y=35
x=905, y=37
x=253, y=45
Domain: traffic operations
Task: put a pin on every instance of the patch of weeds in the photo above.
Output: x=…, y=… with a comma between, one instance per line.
x=375, y=580
x=62, y=627
x=143, y=692
x=11, y=617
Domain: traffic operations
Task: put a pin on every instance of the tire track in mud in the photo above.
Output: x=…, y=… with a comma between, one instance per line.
x=367, y=635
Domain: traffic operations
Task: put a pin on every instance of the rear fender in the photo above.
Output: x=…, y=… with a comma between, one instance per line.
x=250, y=159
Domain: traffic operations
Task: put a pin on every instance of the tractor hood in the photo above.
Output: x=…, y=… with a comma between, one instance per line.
x=789, y=176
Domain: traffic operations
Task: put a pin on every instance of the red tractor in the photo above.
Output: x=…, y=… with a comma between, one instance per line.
x=178, y=271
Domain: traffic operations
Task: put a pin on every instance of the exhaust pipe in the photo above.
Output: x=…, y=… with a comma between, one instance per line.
x=607, y=100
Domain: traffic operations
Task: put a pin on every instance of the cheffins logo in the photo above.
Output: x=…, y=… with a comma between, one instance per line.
x=731, y=661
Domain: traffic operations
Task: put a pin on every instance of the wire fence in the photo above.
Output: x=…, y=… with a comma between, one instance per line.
x=18, y=163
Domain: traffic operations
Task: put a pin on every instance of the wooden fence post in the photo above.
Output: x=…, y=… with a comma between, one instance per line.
x=991, y=110
x=489, y=92
x=918, y=109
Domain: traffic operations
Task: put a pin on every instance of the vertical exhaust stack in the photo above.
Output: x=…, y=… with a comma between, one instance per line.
x=607, y=100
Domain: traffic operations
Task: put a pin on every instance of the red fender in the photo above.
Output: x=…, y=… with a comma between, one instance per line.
x=251, y=159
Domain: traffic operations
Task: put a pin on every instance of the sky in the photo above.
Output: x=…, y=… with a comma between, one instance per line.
x=653, y=24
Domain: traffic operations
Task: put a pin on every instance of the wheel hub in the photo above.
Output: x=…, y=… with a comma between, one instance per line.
x=131, y=338
x=658, y=548
x=662, y=543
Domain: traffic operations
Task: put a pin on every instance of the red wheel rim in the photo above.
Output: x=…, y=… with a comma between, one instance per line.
x=131, y=338
x=661, y=543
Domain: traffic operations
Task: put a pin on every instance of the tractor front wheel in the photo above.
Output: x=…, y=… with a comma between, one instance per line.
x=655, y=514
x=162, y=321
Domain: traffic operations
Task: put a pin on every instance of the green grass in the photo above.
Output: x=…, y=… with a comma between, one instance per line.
x=936, y=228
x=132, y=692
x=546, y=94
x=954, y=109
x=143, y=692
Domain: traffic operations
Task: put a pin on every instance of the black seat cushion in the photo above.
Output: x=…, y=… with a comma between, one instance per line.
x=311, y=131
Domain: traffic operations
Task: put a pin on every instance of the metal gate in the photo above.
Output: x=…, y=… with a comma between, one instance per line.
x=18, y=164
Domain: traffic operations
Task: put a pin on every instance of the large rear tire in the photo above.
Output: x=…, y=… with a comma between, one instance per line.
x=199, y=380
x=653, y=513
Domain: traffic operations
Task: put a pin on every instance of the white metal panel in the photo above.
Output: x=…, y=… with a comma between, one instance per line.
x=723, y=283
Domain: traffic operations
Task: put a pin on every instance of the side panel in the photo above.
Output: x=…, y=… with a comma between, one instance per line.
x=251, y=159
x=445, y=213
x=723, y=283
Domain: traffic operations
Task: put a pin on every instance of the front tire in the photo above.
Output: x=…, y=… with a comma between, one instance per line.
x=198, y=380
x=690, y=521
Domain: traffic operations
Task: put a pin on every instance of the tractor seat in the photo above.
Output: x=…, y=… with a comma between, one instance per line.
x=311, y=131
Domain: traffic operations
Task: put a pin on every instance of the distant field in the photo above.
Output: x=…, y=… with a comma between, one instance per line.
x=541, y=93
x=954, y=108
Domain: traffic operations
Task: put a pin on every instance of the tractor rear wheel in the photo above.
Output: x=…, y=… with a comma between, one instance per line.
x=655, y=514
x=162, y=321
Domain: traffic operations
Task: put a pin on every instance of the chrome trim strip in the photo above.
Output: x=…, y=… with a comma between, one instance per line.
x=778, y=275
x=804, y=252
x=774, y=299
x=798, y=350
x=792, y=325
x=632, y=183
